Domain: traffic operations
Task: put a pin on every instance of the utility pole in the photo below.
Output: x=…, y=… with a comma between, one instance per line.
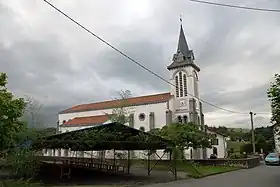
x=253, y=133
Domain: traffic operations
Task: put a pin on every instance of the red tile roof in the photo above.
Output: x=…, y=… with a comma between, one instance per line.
x=142, y=100
x=89, y=120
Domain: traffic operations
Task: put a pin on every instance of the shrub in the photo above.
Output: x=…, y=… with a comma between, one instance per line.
x=22, y=163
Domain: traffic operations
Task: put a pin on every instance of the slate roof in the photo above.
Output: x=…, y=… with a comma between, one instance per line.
x=183, y=49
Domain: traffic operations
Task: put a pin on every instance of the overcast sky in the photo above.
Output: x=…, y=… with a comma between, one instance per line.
x=52, y=60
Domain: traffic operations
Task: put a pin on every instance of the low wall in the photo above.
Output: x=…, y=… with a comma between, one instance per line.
x=244, y=163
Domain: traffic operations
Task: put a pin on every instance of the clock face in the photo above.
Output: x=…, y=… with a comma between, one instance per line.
x=182, y=103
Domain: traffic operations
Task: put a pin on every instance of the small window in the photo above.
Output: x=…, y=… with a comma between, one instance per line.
x=141, y=117
x=142, y=129
x=215, y=142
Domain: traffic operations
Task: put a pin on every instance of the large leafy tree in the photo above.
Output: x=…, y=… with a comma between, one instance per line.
x=273, y=94
x=11, y=109
x=184, y=136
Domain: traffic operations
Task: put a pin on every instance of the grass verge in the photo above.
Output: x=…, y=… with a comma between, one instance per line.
x=204, y=171
x=193, y=170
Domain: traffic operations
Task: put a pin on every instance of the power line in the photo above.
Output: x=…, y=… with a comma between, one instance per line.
x=131, y=59
x=237, y=6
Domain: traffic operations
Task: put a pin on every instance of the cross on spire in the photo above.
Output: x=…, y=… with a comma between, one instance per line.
x=181, y=19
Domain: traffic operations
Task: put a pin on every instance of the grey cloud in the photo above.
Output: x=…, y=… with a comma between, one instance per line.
x=259, y=121
x=61, y=73
x=251, y=99
x=149, y=54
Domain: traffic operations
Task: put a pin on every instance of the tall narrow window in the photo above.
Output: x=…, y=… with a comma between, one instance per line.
x=195, y=80
x=181, y=84
x=185, y=85
x=177, y=86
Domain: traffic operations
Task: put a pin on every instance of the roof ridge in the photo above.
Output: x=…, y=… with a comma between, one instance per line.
x=121, y=99
x=108, y=102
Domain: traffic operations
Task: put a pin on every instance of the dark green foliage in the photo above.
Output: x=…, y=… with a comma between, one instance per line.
x=18, y=183
x=11, y=109
x=186, y=135
x=22, y=163
x=273, y=94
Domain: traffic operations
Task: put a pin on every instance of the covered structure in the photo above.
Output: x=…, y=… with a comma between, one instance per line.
x=111, y=136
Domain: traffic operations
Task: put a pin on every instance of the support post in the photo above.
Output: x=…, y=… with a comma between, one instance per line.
x=253, y=133
x=128, y=162
x=174, y=165
x=149, y=165
x=114, y=164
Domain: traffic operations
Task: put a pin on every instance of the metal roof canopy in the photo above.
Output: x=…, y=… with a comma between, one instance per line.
x=104, y=137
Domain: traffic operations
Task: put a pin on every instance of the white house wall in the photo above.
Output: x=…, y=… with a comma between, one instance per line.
x=221, y=147
x=276, y=132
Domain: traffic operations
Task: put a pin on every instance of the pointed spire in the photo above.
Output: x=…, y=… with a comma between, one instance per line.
x=184, y=56
x=182, y=43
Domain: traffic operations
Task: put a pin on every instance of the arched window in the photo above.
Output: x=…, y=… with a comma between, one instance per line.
x=198, y=120
x=179, y=118
x=185, y=85
x=185, y=119
x=181, y=84
x=177, y=86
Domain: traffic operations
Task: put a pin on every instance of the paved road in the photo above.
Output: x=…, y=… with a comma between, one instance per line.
x=262, y=176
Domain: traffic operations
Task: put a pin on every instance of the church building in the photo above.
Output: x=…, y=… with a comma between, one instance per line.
x=179, y=104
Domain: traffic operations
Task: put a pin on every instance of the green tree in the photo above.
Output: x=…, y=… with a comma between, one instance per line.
x=273, y=94
x=184, y=136
x=11, y=109
x=121, y=111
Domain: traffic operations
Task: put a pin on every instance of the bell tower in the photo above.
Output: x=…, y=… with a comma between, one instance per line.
x=184, y=79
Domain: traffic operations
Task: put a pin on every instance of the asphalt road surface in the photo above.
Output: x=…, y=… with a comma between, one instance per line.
x=262, y=176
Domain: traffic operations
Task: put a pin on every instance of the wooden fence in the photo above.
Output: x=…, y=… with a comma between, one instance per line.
x=245, y=163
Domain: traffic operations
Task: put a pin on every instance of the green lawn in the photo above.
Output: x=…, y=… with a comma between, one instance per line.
x=93, y=186
x=11, y=183
x=195, y=171
x=211, y=170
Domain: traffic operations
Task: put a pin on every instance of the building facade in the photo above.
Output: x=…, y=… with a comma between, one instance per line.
x=180, y=104
x=276, y=133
